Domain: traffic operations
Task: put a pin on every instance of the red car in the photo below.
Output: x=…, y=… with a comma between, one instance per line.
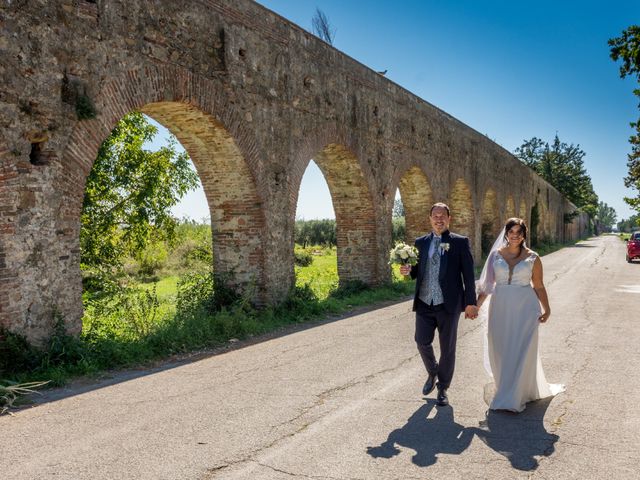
x=633, y=247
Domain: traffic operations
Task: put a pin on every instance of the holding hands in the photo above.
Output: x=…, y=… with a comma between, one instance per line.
x=471, y=311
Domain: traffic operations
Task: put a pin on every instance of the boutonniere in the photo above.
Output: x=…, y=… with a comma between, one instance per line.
x=444, y=247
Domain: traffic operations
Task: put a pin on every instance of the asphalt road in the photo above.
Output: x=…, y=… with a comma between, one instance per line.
x=342, y=401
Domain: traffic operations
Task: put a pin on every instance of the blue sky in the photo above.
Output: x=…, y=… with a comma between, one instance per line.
x=511, y=70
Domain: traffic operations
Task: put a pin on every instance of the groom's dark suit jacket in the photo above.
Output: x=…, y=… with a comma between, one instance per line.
x=456, y=271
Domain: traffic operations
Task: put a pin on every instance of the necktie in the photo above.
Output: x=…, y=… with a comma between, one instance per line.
x=436, y=246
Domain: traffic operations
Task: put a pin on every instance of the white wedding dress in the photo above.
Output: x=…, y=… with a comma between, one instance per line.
x=513, y=337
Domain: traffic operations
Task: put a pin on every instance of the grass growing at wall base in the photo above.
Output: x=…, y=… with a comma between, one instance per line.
x=127, y=328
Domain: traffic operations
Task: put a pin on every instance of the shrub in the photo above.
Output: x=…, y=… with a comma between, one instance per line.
x=152, y=258
x=303, y=258
x=205, y=293
x=127, y=311
x=16, y=355
x=195, y=294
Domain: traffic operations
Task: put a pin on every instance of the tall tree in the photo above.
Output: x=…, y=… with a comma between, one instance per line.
x=398, y=208
x=130, y=192
x=607, y=215
x=630, y=224
x=627, y=49
x=562, y=166
x=322, y=27
x=315, y=232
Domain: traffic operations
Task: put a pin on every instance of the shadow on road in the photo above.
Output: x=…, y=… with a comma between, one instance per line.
x=427, y=436
x=520, y=438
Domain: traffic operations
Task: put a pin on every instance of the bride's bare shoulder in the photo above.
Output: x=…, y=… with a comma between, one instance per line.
x=531, y=253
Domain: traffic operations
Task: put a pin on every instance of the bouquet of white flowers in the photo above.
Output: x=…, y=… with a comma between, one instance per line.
x=403, y=254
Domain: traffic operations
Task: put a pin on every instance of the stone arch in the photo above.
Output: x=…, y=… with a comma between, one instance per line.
x=490, y=221
x=462, y=212
x=184, y=103
x=355, y=215
x=417, y=198
x=510, y=207
x=228, y=184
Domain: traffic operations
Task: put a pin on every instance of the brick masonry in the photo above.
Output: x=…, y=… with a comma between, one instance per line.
x=253, y=98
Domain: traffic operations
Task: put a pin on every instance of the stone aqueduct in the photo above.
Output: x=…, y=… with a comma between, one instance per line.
x=253, y=98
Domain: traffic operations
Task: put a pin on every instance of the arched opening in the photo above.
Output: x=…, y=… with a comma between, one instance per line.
x=417, y=198
x=399, y=221
x=491, y=221
x=354, y=214
x=462, y=212
x=315, y=255
x=228, y=249
x=134, y=211
x=237, y=220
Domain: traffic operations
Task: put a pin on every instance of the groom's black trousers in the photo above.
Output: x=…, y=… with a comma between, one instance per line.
x=428, y=319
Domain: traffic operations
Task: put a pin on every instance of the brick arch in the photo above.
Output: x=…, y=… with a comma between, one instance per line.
x=224, y=158
x=237, y=220
x=490, y=221
x=306, y=148
x=309, y=146
x=417, y=198
x=462, y=212
x=355, y=215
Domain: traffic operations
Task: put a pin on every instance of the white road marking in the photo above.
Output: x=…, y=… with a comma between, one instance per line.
x=628, y=288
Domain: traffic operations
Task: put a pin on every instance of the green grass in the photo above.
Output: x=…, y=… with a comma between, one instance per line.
x=625, y=236
x=143, y=322
x=166, y=288
x=321, y=275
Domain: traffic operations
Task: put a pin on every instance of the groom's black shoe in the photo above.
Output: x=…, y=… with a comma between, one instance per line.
x=442, y=398
x=429, y=384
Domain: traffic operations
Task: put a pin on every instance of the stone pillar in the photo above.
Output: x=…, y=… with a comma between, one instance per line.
x=39, y=251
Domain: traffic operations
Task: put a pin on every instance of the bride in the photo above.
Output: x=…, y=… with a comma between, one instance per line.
x=512, y=275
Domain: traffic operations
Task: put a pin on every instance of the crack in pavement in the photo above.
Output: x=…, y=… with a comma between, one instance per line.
x=307, y=476
x=321, y=399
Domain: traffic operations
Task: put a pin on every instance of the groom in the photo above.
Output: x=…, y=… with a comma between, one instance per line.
x=445, y=286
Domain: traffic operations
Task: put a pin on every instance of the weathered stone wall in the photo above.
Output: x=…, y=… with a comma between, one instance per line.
x=253, y=98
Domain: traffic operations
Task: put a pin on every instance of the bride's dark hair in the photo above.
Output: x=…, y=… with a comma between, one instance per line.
x=512, y=222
